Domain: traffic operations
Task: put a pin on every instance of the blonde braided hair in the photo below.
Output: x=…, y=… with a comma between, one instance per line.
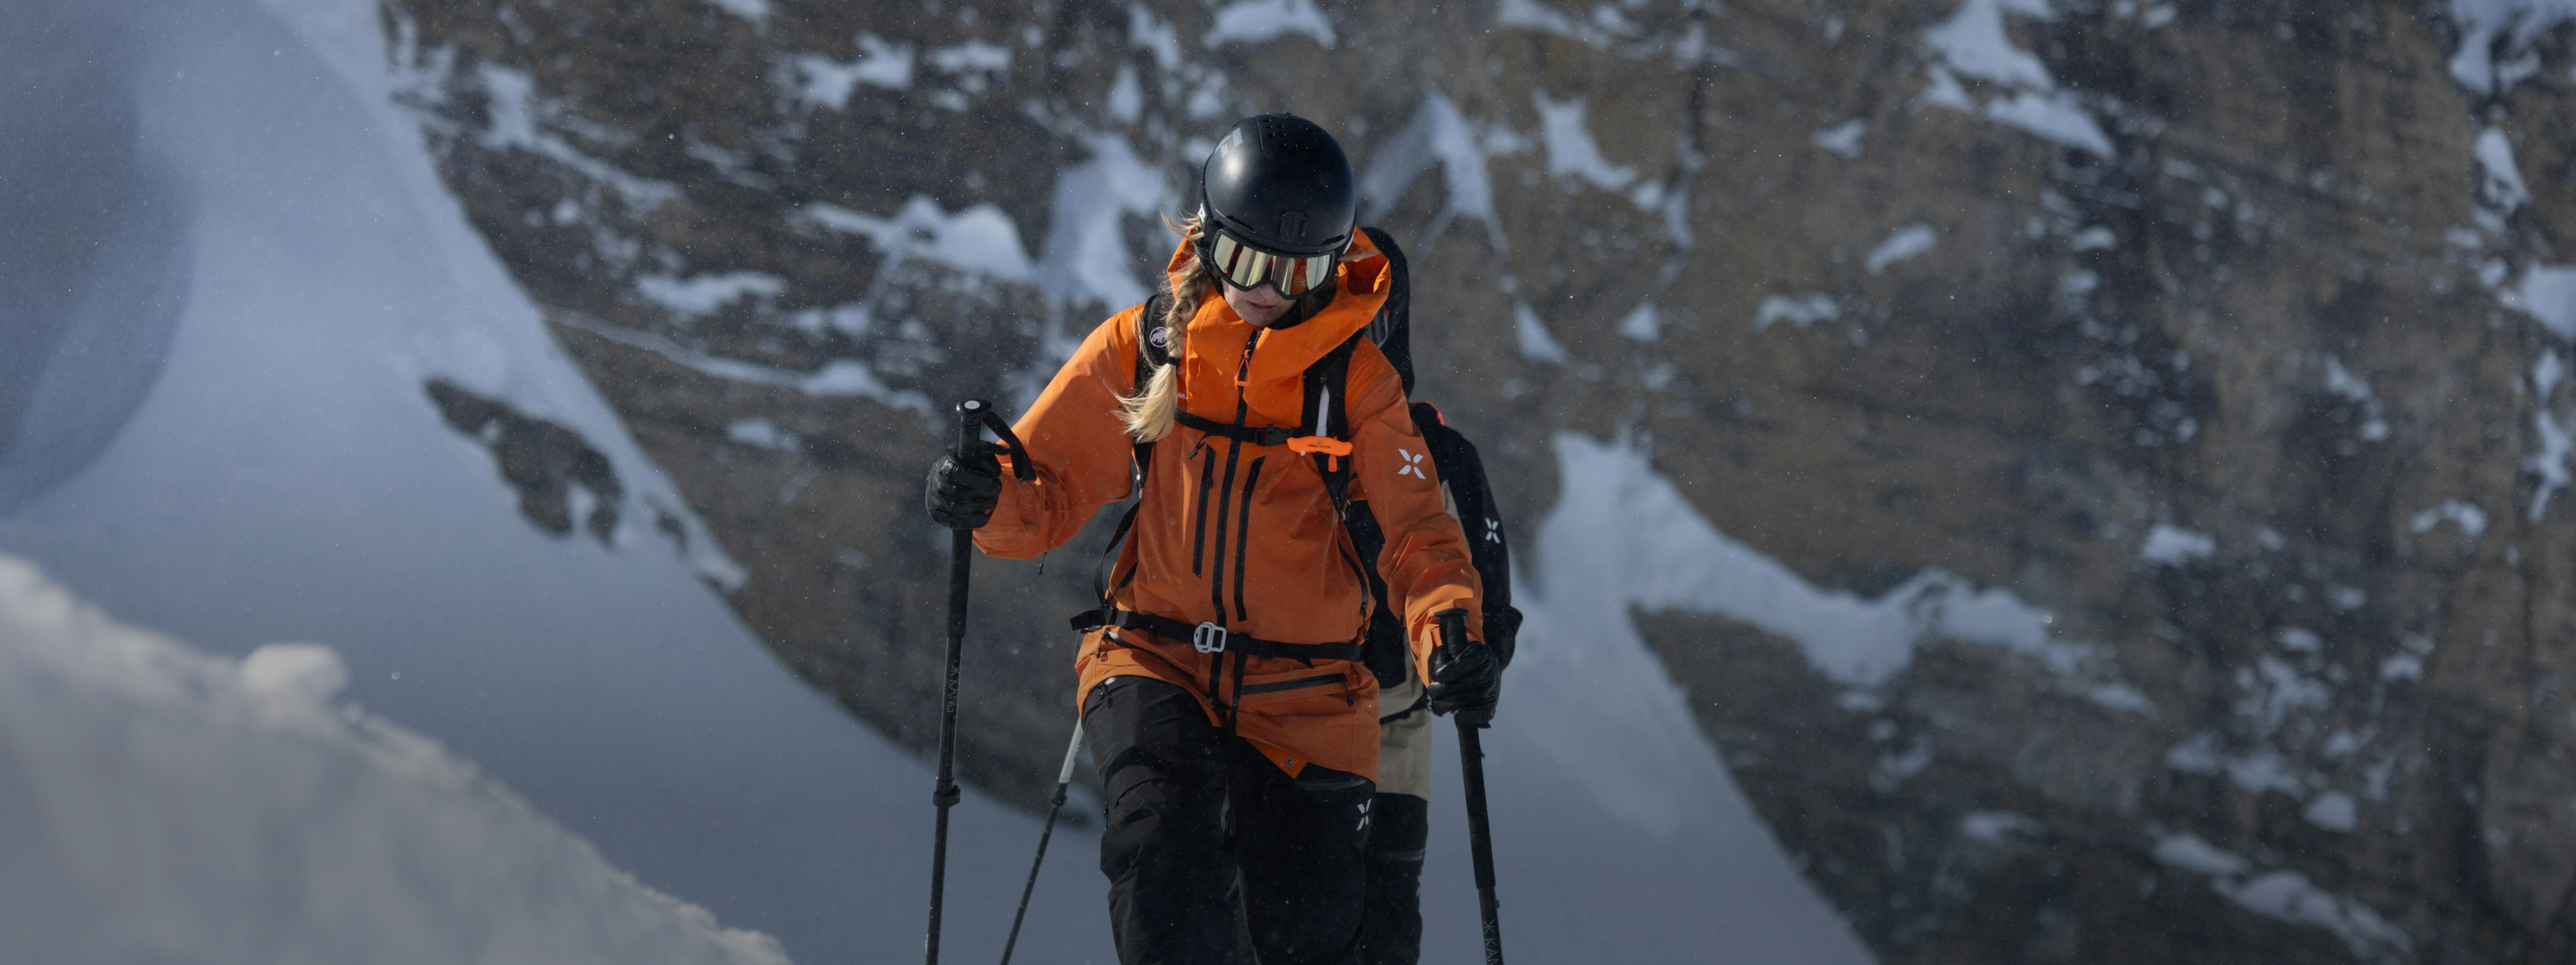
x=1149, y=414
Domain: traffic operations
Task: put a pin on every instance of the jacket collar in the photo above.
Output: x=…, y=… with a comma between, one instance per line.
x=1364, y=281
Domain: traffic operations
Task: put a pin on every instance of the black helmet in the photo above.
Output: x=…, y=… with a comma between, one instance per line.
x=1279, y=183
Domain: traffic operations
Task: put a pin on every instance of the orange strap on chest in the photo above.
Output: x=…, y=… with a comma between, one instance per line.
x=1326, y=446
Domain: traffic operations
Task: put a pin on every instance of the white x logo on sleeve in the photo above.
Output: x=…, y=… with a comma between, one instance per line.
x=1412, y=464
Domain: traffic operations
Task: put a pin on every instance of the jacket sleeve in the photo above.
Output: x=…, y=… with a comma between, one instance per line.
x=1425, y=561
x=1083, y=454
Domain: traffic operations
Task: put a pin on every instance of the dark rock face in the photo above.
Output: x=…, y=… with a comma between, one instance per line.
x=2229, y=336
x=555, y=470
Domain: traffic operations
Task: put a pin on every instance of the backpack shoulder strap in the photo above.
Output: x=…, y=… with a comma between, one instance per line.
x=1149, y=355
x=1149, y=343
x=1326, y=416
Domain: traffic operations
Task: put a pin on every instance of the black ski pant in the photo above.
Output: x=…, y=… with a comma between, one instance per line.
x=1399, y=831
x=1215, y=855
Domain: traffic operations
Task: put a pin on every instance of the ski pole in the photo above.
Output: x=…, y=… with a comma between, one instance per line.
x=1063, y=779
x=973, y=417
x=1480, y=834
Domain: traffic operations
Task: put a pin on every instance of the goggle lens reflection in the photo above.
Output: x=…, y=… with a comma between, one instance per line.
x=1248, y=267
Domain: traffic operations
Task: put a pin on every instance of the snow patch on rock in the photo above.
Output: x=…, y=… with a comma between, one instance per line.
x=755, y=11
x=1262, y=21
x=1086, y=255
x=760, y=433
x=2500, y=183
x=1974, y=43
x=2483, y=23
x=2547, y=293
x=979, y=239
x=838, y=378
x=2333, y=811
x=1909, y=241
x=1996, y=827
x=2466, y=515
x=1539, y=16
x=2557, y=443
x=2283, y=895
x=2051, y=116
x=1672, y=558
x=2169, y=545
x=824, y=82
x=1799, y=310
x=700, y=295
x=516, y=115
x=1438, y=134
x=1126, y=100
x=1842, y=140
x=1644, y=324
x=1571, y=151
x=1537, y=343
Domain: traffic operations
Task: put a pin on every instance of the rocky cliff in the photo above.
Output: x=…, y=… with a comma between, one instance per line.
x=2158, y=412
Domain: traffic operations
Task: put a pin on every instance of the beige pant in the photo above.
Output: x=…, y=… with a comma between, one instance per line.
x=1404, y=744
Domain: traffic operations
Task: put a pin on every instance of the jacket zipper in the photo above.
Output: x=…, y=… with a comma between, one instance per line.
x=1225, y=489
x=1198, y=536
x=1224, y=506
x=1368, y=593
x=1243, y=534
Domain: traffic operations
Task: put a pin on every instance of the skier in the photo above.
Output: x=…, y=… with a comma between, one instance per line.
x=1230, y=715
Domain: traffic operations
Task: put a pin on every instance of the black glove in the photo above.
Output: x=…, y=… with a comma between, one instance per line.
x=961, y=493
x=1465, y=680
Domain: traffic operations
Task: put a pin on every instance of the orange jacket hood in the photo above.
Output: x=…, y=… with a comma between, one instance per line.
x=1274, y=381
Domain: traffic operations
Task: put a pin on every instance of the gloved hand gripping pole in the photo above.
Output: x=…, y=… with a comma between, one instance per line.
x=1480, y=834
x=973, y=417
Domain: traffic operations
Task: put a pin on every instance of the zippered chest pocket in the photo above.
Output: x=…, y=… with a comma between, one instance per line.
x=1300, y=691
x=1300, y=683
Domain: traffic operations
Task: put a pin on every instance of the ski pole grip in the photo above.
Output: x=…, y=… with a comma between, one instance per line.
x=976, y=415
x=1453, y=627
x=970, y=425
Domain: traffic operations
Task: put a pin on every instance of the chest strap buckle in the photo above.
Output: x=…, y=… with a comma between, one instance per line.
x=1208, y=638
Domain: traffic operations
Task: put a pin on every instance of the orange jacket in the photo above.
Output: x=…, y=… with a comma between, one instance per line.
x=1245, y=535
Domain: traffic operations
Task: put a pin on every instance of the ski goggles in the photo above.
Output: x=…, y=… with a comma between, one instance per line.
x=1247, y=267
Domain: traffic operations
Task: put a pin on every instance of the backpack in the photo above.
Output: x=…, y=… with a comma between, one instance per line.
x=1462, y=473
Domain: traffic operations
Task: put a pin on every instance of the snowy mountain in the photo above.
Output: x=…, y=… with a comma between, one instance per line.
x=2091, y=468
x=2033, y=480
